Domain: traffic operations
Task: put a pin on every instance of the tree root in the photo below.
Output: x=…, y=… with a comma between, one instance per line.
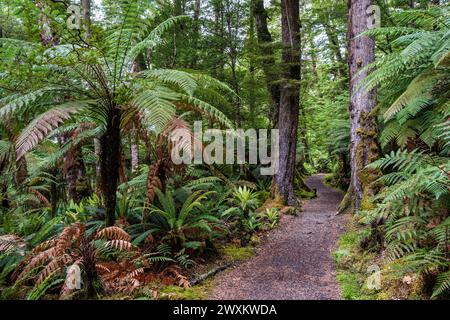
x=209, y=274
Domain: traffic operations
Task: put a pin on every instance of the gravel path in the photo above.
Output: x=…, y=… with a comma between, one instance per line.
x=294, y=262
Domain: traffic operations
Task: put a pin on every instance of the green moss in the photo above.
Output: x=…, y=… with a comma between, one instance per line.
x=353, y=286
x=329, y=179
x=199, y=292
x=352, y=265
x=305, y=194
x=347, y=203
x=235, y=253
x=350, y=286
x=173, y=292
x=302, y=190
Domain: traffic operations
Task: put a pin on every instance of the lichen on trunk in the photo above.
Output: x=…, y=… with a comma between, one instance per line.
x=363, y=134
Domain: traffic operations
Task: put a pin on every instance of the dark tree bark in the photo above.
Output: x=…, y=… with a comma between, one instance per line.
x=109, y=163
x=98, y=171
x=21, y=173
x=268, y=58
x=54, y=193
x=77, y=182
x=363, y=145
x=4, y=163
x=289, y=100
x=232, y=20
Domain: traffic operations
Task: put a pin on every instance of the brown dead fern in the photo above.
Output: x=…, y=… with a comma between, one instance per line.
x=73, y=247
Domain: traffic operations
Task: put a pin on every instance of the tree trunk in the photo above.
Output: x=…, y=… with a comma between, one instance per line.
x=335, y=48
x=86, y=5
x=312, y=53
x=53, y=194
x=268, y=58
x=196, y=33
x=98, y=174
x=78, y=186
x=48, y=39
x=134, y=150
x=289, y=101
x=21, y=173
x=363, y=144
x=109, y=164
x=4, y=197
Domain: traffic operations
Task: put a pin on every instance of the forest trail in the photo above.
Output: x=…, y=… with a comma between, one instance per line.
x=294, y=262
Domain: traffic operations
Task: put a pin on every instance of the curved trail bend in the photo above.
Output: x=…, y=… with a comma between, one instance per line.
x=294, y=262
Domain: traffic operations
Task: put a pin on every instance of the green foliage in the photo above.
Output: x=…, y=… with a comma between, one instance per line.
x=181, y=225
x=411, y=209
x=160, y=66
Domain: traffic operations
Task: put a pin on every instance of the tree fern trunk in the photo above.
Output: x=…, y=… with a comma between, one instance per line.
x=4, y=196
x=109, y=164
x=54, y=192
x=78, y=186
x=363, y=145
x=21, y=173
x=289, y=101
x=98, y=171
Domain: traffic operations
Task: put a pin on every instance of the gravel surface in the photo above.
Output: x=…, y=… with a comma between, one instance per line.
x=294, y=262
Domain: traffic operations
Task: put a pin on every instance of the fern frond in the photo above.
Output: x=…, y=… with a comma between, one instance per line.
x=41, y=126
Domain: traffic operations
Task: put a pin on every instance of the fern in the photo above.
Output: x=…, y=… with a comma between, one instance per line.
x=42, y=125
x=442, y=284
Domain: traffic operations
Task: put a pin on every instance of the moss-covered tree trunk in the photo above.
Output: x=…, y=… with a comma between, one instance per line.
x=289, y=101
x=363, y=141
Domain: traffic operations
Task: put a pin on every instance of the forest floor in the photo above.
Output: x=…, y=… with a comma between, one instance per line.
x=294, y=262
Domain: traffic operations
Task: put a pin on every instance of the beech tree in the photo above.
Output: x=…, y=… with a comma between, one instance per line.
x=289, y=100
x=363, y=133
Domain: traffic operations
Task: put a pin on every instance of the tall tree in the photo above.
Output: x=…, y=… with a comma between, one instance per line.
x=363, y=135
x=86, y=5
x=289, y=100
x=268, y=57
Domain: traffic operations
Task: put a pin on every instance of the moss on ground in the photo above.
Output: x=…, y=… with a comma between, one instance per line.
x=198, y=292
x=352, y=265
x=230, y=253
x=236, y=254
x=305, y=194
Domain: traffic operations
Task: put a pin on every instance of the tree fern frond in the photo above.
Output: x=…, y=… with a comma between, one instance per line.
x=17, y=102
x=41, y=126
x=207, y=109
x=183, y=80
x=154, y=37
x=420, y=86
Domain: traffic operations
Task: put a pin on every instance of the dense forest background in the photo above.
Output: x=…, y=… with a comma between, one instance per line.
x=91, y=90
